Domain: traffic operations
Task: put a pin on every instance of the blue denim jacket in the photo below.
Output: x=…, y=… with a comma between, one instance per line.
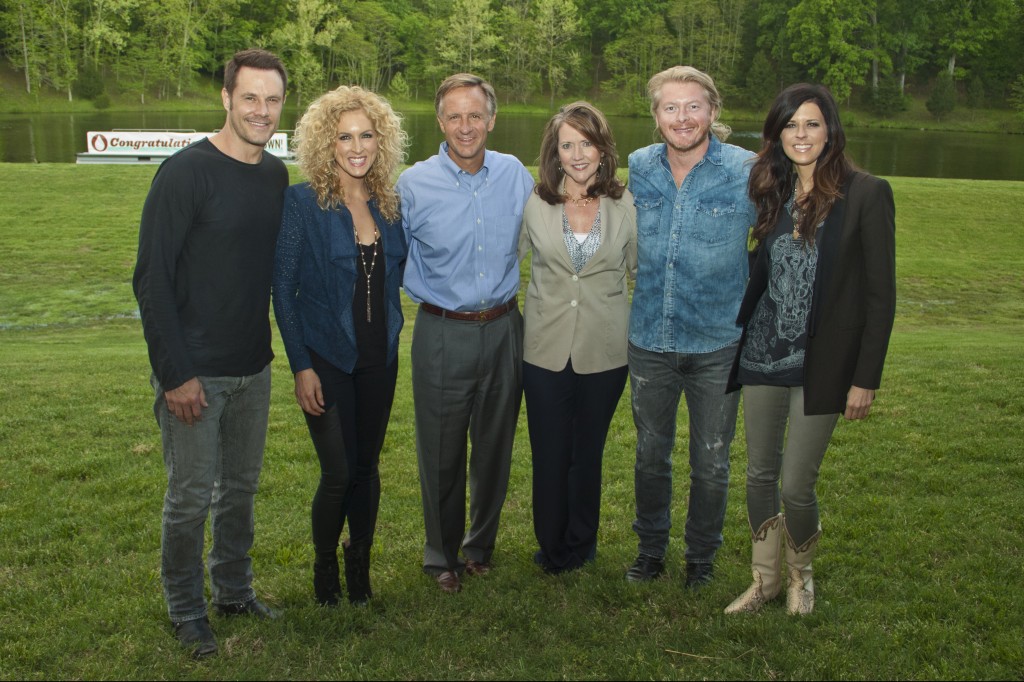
x=691, y=249
x=315, y=278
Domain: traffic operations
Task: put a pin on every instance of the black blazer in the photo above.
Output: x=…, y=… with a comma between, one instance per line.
x=854, y=300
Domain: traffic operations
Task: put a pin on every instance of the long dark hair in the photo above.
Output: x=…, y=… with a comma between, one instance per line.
x=772, y=177
x=592, y=124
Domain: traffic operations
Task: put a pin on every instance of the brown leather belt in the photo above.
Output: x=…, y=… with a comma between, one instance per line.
x=478, y=316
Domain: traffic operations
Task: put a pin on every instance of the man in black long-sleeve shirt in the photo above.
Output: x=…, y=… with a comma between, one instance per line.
x=206, y=252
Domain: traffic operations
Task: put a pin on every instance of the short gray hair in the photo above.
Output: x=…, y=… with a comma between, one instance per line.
x=466, y=80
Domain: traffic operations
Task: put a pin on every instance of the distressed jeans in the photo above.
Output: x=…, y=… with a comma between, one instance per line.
x=657, y=381
x=213, y=469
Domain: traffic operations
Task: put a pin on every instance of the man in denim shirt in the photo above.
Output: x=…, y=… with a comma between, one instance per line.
x=693, y=216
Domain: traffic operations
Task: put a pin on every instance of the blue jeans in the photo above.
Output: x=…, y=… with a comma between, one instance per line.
x=213, y=468
x=657, y=380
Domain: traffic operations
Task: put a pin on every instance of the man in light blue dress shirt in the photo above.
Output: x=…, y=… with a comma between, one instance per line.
x=461, y=210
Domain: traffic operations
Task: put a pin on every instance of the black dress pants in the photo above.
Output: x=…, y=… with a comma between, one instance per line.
x=568, y=415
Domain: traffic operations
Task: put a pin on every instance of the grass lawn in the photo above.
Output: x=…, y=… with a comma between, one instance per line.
x=919, y=570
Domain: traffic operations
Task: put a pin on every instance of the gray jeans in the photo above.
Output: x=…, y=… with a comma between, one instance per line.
x=795, y=456
x=213, y=468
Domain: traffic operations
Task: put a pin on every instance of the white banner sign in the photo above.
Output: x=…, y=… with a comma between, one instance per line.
x=158, y=144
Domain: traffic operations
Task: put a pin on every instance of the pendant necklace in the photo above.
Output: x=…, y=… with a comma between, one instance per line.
x=795, y=213
x=367, y=271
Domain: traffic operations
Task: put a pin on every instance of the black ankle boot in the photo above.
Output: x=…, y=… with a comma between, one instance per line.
x=326, y=579
x=357, y=572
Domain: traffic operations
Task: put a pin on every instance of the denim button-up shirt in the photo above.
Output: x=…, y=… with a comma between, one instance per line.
x=691, y=249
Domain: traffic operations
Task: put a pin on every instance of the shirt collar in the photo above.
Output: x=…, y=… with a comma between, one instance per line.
x=453, y=168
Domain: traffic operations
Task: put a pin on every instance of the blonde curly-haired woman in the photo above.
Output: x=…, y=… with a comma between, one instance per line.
x=337, y=273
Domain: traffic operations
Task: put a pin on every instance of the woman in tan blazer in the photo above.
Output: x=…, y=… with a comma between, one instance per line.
x=580, y=225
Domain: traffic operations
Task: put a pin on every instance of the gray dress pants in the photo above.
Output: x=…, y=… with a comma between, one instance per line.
x=466, y=381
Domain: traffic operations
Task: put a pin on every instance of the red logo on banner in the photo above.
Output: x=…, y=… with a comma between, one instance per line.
x=99, y=143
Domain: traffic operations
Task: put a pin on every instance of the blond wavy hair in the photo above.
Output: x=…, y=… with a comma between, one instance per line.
x=317, y=131
x=688, y=74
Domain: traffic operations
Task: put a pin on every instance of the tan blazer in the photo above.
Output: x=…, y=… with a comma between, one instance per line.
x=586, y=316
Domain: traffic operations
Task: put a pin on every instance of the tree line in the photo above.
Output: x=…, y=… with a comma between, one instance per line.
x=532, y=50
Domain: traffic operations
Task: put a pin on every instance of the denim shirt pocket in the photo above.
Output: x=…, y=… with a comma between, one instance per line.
x=648, y=213
x=718, y=222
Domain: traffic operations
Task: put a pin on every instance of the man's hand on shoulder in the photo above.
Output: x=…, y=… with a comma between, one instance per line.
x=186, y=402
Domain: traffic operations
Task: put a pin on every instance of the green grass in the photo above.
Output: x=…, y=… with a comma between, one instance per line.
x=918, y=575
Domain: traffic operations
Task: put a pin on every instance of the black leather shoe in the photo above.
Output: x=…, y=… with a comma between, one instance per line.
x=197, y=636
x=645, y=568
x=254, y=608
x=699, y=575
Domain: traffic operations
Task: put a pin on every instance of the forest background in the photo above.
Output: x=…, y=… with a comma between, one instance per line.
x=872, y=53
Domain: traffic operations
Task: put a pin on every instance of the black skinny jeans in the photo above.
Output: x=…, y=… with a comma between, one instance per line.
x=348, y=438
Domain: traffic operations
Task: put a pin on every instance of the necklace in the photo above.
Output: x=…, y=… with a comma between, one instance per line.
x=576, y=200
x=367, y=271
x=795, y=212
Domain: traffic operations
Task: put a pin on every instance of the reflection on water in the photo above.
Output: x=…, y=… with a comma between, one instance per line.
x=56, y=138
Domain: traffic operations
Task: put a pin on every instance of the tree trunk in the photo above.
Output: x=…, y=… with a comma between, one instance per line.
x=24, y=49
x=952, y=64
x=184, y=48
x=874, y=45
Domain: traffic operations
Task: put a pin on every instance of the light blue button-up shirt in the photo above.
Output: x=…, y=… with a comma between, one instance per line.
x=691, y=249
x=463, y=230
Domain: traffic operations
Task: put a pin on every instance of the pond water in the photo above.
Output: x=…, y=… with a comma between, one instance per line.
x=56, y=138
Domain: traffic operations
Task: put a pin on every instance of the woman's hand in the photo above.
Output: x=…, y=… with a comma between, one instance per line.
x=308, y=392
x=858, y=402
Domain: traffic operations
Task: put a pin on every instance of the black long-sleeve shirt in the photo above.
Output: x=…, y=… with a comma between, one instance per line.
x=206, y=257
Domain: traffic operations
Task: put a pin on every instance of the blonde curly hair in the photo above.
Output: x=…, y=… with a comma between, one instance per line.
x=317, y=131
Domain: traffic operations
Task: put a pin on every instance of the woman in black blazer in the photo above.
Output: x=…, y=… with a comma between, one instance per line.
x=816, y=317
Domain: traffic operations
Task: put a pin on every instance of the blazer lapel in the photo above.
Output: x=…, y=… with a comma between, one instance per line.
x=831, y=235
x=552, y=239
